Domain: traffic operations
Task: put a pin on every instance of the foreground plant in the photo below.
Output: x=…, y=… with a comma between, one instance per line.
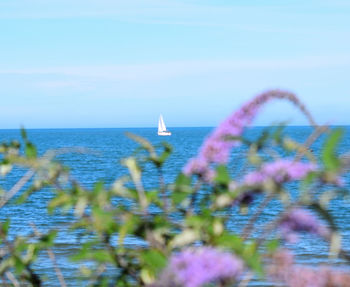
x=183, y=230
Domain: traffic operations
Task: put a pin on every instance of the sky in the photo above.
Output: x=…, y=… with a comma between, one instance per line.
x=111, y=63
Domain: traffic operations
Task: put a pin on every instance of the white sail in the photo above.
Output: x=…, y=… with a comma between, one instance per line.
x=161, y=124
x=162, y=128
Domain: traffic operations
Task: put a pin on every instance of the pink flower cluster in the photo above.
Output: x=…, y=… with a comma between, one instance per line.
x=299, y=220
x=201, y=266
x=283, y=269
x=279, y=171
x=216, y=149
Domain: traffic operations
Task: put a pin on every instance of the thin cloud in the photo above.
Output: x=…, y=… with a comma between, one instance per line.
x=236, y=15
x=168, y=70
x=64, y=84
x=127, y=10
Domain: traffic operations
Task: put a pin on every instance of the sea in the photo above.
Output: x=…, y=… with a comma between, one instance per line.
x=105, y=148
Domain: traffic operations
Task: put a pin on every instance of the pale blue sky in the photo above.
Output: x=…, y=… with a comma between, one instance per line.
x=110, y=63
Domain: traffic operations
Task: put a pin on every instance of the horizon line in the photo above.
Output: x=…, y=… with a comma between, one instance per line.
x=170, y=127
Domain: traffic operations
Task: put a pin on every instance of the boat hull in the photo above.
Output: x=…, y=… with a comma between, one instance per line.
x=164, y=133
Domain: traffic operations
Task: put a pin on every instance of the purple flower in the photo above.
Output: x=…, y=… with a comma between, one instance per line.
x=216, y=149
x=280, y=171
x=200, y=167
x=299, y=220
x=196, y=267
x=283, y=269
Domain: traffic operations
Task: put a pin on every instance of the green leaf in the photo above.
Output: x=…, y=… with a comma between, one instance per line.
x=222, y=175
x=30, y=150
x=182, y=188
x=145, y=144
x=187, y=236
x=15, y=144
x=19, y=265
x=166, y=153
x=101, y=255
x=325, y=215
x=153, y=197
x=278, y=133
x=154, y=260
x=178, y=197
x=231, y=241
x=131, y=223
x=147, y=276
x=182, y=180
x=23, y=134
x=5, y=227
x=134, y=168
x=252, y=257
x=261, y=141
x=103, y=221
x=272, y=245
x=48, y=239
x=24, y=196
x=196, y=221
x=329, y=156
x=63, y=200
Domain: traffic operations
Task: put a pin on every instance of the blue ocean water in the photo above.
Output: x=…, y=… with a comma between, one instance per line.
x=108, y=147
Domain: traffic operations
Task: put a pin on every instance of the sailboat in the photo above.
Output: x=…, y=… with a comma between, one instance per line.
x=162, y=131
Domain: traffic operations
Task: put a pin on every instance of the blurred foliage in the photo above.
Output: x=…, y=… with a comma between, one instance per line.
x=164, y=219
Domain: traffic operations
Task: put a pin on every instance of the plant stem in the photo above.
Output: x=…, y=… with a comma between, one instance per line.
x=17, y=187
x=53, y=260
x=250, y=225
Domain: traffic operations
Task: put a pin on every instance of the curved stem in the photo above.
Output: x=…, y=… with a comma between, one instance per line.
x=53, y=260
x=162, y=189
x=12, y=279
x=310, y=140
x=250, y=225
x=17, y=187
x=194, y=196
